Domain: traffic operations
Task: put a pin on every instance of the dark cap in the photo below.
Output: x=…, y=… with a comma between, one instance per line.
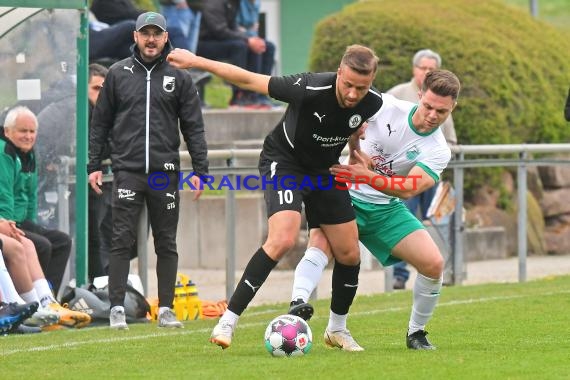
x=151, y=18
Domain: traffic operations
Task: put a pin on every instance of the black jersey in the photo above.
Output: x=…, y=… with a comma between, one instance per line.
x=314, y=129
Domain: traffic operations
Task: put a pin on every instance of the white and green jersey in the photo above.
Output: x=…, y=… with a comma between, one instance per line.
x=395, y=147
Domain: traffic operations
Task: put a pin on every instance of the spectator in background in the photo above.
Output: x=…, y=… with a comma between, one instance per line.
x=183, y=25
x=183, y=18
x=110, y=42
x=567, y=108
x=111, y=27
x=248, y=22
x=18, y=194
x=221, y=40
x=184, y=15
x=114, y=11
x=99, y=206
x=56, y=139
x=423, y=62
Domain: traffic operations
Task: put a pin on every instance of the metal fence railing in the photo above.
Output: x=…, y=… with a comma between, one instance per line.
x=233, y=162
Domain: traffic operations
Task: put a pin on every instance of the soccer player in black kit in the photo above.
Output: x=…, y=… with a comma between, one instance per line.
x=325, y=112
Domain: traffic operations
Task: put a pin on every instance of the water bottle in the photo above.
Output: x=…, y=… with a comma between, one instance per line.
x=193, y=303
x=179, y=301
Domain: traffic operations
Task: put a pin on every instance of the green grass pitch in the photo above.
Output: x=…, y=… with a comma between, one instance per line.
x=495, y=331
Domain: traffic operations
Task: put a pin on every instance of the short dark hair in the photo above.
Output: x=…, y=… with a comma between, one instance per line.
x=361, y=59
x=442, y=83
x=97, y=70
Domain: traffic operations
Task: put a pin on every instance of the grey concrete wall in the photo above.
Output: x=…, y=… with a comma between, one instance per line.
x=485, y=243
x=479, y=244
x=201, y=236
x=229, y=128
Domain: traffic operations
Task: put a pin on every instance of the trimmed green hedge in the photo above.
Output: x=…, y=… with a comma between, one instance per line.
x=515, y=70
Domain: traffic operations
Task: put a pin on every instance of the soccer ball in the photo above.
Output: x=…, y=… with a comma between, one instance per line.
x=288, y=335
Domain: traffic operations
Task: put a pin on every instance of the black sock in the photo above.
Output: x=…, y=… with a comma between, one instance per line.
x=255, y=274
x=344, y=286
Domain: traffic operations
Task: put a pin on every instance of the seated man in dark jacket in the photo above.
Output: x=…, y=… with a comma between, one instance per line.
x=110, y=42
x=111, y=27
x=221, y=40
x=113, y=11
x=183, y=19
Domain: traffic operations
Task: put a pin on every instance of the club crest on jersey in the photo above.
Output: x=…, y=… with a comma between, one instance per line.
x=354, y=121
x=168, y=83
x=413, y=153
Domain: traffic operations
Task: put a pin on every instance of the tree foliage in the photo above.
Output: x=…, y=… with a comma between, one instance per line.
x=513, y=68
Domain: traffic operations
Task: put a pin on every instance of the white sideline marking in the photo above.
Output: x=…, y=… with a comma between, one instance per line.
x=96, y=341
x=188, y=332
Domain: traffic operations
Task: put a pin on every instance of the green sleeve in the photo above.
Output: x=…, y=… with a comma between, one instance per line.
x=430, y=172
x=7, y=170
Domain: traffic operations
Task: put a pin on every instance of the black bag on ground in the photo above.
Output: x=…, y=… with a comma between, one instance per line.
x=95, y=302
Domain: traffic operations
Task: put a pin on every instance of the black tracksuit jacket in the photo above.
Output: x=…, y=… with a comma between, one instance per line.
x=140, y=108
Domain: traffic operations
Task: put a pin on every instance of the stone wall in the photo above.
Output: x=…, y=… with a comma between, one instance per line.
x=202, y=233
x=556, y=207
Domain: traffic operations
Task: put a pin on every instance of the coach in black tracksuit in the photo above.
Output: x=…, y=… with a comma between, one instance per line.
x=142, y=102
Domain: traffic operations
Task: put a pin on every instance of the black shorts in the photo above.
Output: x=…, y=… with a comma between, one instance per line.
x=287, y=188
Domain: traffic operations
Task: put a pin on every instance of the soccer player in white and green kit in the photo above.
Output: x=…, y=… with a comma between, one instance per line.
x=403, y=154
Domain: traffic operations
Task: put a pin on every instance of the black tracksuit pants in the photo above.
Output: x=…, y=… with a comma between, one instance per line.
x=160, y=193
